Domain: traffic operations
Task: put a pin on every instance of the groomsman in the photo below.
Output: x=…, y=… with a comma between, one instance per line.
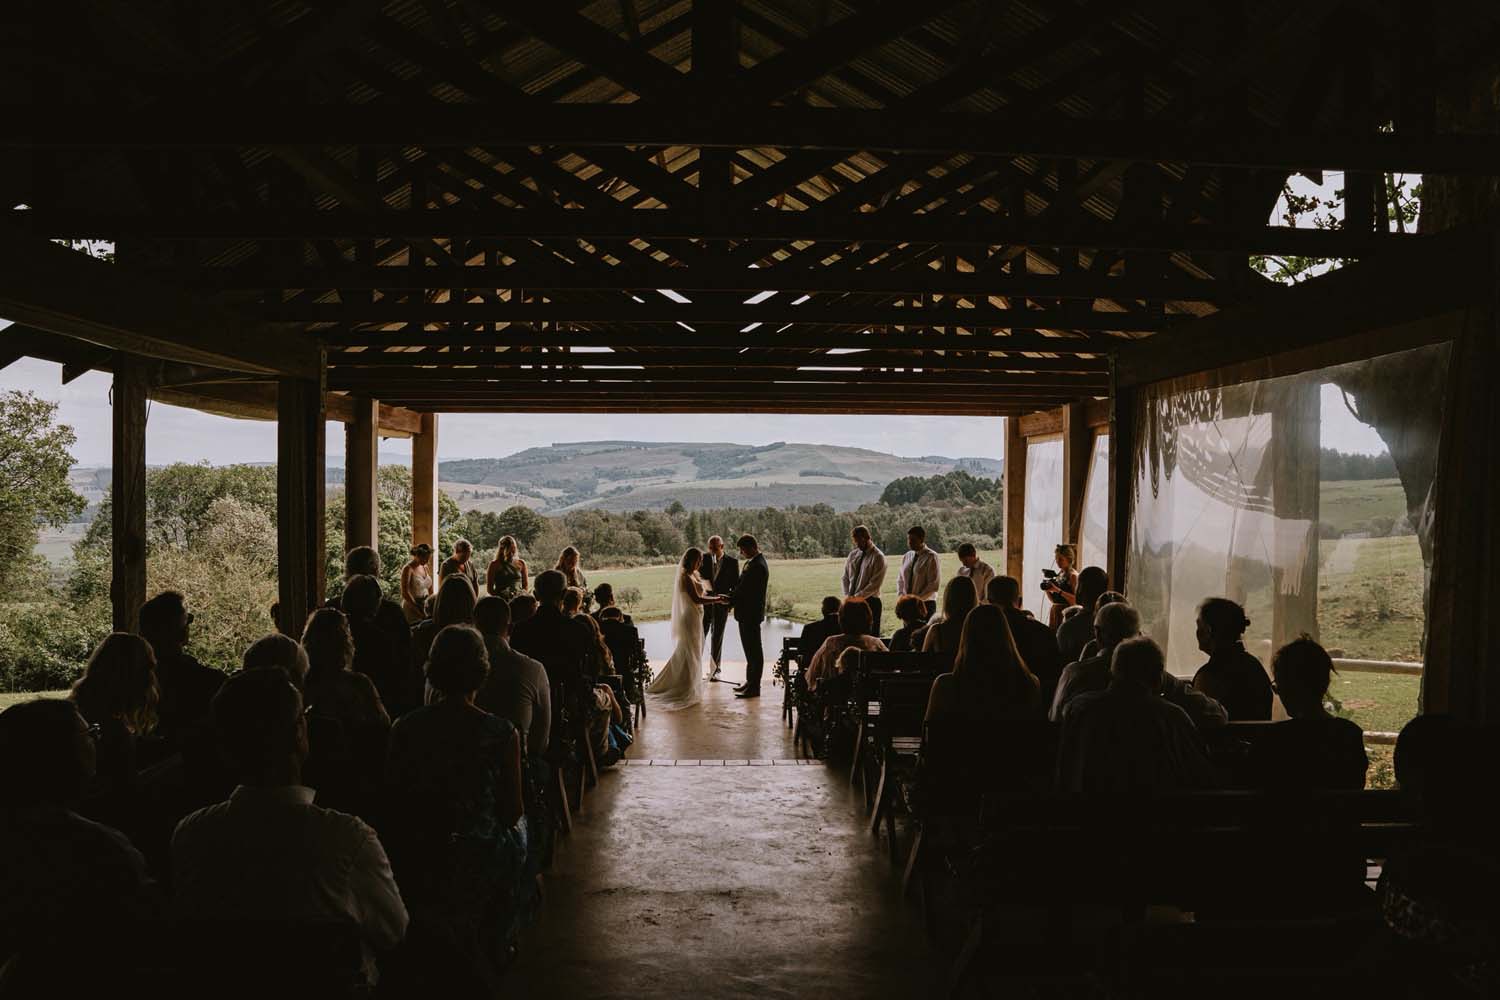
x=864, y=574
x=975, y=569
x=919, y=570
x=720, y=573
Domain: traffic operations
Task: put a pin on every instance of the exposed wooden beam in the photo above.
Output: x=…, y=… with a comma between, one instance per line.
x=63, y=291
x=501, y=124
x=854, y=361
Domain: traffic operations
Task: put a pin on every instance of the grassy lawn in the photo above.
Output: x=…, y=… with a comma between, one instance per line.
x=9, y=698
x=805, y=582
x=1346, y=503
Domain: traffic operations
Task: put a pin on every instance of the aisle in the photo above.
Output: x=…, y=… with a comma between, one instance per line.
x=716, y=866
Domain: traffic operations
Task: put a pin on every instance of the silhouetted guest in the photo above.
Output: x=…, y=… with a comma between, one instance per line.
x=989, y=682
x=516, y=687
x=572, y=601
x=549, y=635
x=1128, y=739
x=187, y=686
x=117, y=693
x=1312, y=749
x=382, y=649
x=453, y=605
x=911, y=612
x=854, y=633
x=567, y=565
x=1037, y=642
x=461, y=563
x=349, y=719
x=268, y=854
x=1091, y=648
x=959, y=598
x=975, y=568
x=622, y=640
x=457, y=833
x=814, y=634
x=1232, y=677
x=281, y=652
x=522, y=608
x=1076, y=631
x=1113, y=624
x=604, y=596
x=65, y=879
x=390, y=616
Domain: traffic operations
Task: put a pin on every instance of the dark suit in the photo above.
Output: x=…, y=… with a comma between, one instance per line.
x=749, y=604
x=1038, y=647
x=719, y=576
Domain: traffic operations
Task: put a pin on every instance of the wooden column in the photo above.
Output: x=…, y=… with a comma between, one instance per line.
x=1015, y=496
x=1078, y=441
x=300, y=472
x=424, y=484
x=1295, y=456
x=1122, y=432
x=127, y=585
x=361, y=487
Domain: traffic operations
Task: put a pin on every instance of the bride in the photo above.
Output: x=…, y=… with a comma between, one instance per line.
x=680, y=682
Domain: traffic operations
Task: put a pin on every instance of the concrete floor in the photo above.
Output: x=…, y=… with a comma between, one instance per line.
x=717, y=879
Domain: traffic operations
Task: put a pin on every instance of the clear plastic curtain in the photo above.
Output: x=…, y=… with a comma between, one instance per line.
x=1044, y=523
x=1094, y=545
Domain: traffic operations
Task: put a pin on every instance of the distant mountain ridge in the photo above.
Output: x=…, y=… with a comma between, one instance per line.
x=633, y=475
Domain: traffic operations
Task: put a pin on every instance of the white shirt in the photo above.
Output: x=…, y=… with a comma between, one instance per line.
x=270, y=854
x=919, y=574
x=864, y=573
x=981, y=574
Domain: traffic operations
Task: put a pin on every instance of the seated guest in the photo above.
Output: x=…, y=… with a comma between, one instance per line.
x=604, y=596
x=1091, y=648
x=1075, y=631
x=66, y=879
x=381, y=650
x=549, y=635
x=912, y=613
x=1128, y=739
x=453, y=605
x=623, y=641
x=1312, y=749
x=516, y=687
x=989, y=681
x=854, y=629
x=814, y=634
x=363, y=560
x=1113, y=624
x=350, y=721
x=959, y=598
x=269, y=854
x=457, y=835
x=1037, y=642
x=1232, y=677
x=118, y=694
x=572, y=601
x=599, y=661
x=281, y=652
x=522, y=607
x=187, y=686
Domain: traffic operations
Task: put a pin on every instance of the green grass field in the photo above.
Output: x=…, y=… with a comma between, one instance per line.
x=1346, y=503
x=9, y=698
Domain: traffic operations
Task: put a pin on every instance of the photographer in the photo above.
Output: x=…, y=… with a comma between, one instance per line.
x=1061, y=584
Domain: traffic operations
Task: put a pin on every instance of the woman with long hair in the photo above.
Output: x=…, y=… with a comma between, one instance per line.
x=453, y=605
x=118, y=694
x=1062, y=588
x=959, y=598
x=332, y=687
x=506, y=576
x=1075, y=632
x=416, y=583
x=680, y=682
x=567, y=565
x=989, y=679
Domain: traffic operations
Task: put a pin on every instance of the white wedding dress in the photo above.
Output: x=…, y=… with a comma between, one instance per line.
x=679, y=684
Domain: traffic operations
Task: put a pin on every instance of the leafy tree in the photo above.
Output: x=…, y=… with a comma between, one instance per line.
x=522, y=523
x=34, y=463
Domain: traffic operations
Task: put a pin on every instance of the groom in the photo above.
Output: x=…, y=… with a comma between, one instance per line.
x=749, y=604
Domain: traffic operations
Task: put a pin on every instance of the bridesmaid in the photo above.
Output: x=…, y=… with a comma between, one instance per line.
x=416, y=583
x=567, y=565
x=507, y=576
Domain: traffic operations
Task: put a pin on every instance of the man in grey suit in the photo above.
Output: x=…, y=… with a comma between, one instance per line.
x=720, y=573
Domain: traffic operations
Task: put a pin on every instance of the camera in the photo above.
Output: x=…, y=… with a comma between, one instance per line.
x=1049, y=578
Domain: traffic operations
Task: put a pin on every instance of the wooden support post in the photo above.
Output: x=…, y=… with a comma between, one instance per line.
x=300, y=475
x=424, y=484
x=1122, y=431
x=1078, y=442
x=1295, y=440
x=127, y=586
x=1015, y=496
x=361, y=461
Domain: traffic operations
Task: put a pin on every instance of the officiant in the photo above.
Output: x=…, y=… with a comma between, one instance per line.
x=720, y=573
